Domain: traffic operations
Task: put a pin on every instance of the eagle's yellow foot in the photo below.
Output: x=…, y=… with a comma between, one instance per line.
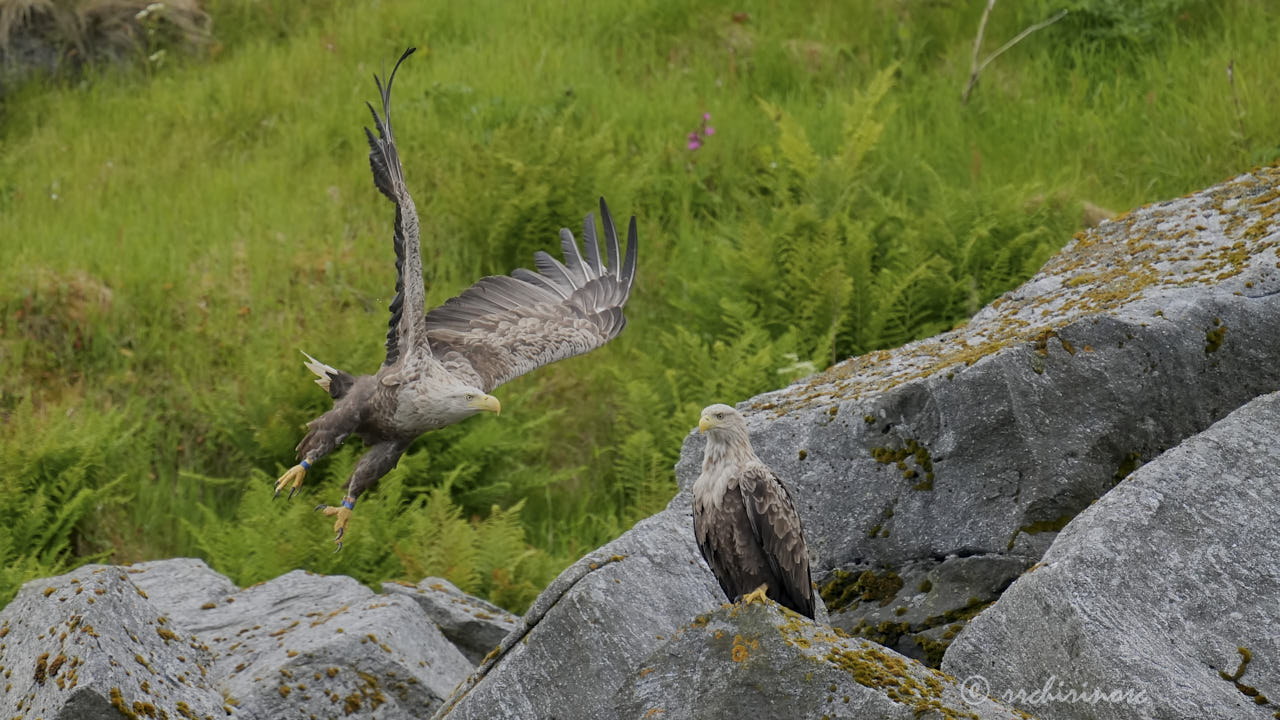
x=343, y=514
x=759, y=595
x=293, y=475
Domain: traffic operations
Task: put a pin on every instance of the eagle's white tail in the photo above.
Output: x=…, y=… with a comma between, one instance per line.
x=322, y=371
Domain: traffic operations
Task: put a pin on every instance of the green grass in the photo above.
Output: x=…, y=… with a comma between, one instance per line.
x=173, y=236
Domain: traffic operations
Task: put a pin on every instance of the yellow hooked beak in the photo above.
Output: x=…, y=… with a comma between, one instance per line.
x=489, y=403
x=705, y=424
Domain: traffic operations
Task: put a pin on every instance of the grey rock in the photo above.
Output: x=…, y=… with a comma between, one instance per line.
x=757, y=661
x=986, y=440
x=474, y=625
x=306, y=645
x=978, y=443
x=181, y=586
x=593, y=625
x=89, y=644
x=1169, y=580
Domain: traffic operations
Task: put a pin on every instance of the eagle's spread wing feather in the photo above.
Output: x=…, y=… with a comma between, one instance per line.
x=405, y=327
x=776, y=527
x=504, y=326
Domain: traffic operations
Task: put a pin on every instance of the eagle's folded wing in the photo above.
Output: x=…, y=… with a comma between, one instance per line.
x=776, y=526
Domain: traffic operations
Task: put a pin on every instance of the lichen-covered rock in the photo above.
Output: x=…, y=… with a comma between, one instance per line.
x=954, y=460
x=475, y=626
x=1169, y=586
x=305, y=645
x=964, y=454
x=758, y=661
x=89, y=644
x=593, y=625
x=179, y=587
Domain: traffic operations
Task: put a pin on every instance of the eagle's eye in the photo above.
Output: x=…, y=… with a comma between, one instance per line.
x=470, y=396
x=720, y=416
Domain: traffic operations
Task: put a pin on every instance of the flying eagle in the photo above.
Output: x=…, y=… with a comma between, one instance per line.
x=745, y=523
x=441, y=365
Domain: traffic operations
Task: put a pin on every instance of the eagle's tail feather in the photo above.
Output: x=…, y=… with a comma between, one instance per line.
x=334, y=381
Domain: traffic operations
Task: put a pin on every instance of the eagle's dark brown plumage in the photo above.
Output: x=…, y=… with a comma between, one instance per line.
x=744, y=520
x=440, y=366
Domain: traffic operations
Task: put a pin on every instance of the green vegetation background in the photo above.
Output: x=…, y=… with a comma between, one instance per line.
x=173, y=233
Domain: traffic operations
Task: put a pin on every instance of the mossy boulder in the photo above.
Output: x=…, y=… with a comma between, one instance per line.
x=965, y=454
x=1168, y=585
x=762, y=661
x=90, y=644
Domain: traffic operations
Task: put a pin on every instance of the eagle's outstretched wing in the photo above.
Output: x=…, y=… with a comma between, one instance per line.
x=406, y=327
x=504, y=326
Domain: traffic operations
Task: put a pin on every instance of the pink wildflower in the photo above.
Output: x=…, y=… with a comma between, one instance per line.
x=706, y=131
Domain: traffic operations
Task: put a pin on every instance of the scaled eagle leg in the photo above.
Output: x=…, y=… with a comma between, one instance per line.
x=371, y=466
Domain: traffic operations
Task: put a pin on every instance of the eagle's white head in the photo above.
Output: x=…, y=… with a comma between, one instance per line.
x=721, y=422
x=461, y=401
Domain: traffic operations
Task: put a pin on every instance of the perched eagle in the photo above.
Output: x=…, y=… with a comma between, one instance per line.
x=442, y=364
x=746, y=525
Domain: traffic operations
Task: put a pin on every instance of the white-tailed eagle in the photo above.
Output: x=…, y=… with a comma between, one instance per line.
x=743, y=518
x=441, y=365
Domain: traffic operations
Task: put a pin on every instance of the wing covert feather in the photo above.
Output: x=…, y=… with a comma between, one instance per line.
x=504, y=326
x=776, y=526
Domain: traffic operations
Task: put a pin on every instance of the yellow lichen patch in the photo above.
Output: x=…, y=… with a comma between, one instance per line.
x=41, y=668
x=901, y=680
x=742, y=648
x=117, y=701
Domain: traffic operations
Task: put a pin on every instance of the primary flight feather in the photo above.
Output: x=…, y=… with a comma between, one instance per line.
x=441, y=365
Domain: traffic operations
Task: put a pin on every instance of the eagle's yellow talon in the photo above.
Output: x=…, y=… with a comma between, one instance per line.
x=294, y=476
x=759, y=595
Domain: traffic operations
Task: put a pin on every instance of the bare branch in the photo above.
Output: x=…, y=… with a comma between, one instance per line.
x=978, y=68
x=977, y=48
x=1231, y=78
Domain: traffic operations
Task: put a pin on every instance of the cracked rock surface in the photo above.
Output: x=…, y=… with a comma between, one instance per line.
x=1169, y=586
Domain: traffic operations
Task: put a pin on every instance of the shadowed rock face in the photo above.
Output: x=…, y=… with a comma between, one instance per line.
x=759, y=661
x=1166, y=583
x=951, y=463
x=475, y=626
x=930, y=477
x=585, y=633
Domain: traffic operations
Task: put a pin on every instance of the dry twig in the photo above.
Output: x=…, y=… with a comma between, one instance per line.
x=976, y=68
